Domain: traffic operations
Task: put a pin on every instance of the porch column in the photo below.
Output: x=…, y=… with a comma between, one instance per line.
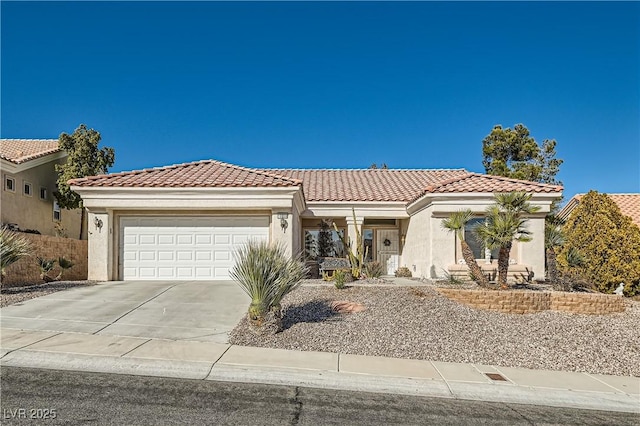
x=353, y=227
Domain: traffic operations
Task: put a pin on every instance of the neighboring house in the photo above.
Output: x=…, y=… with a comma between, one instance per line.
x=629, y=205
x=28, y=181
x=184, y=221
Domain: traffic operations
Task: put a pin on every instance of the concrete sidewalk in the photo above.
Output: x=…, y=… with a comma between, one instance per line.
x=215, y=361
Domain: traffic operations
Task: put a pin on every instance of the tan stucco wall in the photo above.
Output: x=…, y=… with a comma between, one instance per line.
x=417, y=246
x=430, y=249
x=27, y=272
x=30, y=212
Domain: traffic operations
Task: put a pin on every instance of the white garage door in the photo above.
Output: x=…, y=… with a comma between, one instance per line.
x=184, y=248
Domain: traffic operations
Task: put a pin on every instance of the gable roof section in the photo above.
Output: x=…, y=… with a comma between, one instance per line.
x=18, y=151
x=629, y=205
x=476, y=182
x=199, y=174
x=366, y=184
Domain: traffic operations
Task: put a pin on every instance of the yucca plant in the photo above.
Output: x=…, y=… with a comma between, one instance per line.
x=504, y=225
x=64, y=264
x=456, y=223
x=12, y=248
x=266, y=274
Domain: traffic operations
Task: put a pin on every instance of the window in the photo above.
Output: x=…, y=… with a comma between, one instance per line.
x=476, y=246
x=43, y=193
x=56, y=211
x=26, y=189
x=9, y=184
x=322, y=243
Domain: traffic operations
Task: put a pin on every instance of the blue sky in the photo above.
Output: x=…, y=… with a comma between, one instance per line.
x=331, y=84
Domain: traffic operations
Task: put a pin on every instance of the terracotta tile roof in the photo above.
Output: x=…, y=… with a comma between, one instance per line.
x=366, y=184
x=401, y=185
x=19, y=151
x=376, y=185
x=199, y=174
x=629, y=205
x=476, y=182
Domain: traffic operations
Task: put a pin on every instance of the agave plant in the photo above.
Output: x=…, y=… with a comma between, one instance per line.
x=266, y=274
x=12, y=248
x=64, y=264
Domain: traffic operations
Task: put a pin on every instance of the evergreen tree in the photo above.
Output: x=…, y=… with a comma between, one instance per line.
x=608, y=241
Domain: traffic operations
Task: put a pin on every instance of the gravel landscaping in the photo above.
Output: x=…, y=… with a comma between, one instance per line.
x=12, y=295
x=419, y=323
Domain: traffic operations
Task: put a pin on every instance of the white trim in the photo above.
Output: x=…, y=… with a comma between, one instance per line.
x=476, y=201
x=46, y=193
x=193, y=198
x=29, y=164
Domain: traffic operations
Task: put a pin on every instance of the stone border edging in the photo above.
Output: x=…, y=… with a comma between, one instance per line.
x=528, y=302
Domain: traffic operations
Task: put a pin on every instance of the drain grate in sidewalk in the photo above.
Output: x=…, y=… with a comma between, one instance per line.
x=496, y=376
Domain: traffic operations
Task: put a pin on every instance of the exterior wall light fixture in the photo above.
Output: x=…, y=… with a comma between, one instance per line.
x=283, y=220
x=97, y=222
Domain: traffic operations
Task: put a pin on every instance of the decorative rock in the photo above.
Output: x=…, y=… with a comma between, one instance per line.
x=345, y=307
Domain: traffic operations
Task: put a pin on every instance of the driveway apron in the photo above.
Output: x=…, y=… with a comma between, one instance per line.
x=203, y=311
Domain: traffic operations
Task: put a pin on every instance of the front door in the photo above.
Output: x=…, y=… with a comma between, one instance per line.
x=388, y=248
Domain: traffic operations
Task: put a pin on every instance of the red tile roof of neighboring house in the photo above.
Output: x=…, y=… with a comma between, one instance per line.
x=19, y=151
x=376, y=185
x=199, y=174
x=629, y=205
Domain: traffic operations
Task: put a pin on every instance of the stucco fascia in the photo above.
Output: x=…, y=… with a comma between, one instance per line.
x=391, y=210
x=477, y=202
x=197, y=198
x=9, y=167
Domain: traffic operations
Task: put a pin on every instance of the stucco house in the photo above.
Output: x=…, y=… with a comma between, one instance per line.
x=28, y=182
x=184, y=221
x=629, y=205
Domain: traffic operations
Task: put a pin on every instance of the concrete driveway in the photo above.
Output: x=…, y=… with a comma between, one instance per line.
x=203, y=311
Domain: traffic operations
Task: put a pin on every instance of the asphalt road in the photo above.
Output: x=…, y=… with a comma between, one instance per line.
x=35, y=396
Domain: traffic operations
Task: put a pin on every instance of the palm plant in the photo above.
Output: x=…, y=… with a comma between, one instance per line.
x=12, y=248
x=266, y=274
x=45, y=265
x=456, y=223
x=504, y=224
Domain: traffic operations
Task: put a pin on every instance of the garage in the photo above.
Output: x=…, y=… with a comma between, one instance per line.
x=184, y=247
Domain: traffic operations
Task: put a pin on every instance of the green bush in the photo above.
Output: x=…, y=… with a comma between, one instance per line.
x=266, y=274
x=339, y=278
x=13, y=246
x=374, y=269
x=403, y=271
x=602, y=245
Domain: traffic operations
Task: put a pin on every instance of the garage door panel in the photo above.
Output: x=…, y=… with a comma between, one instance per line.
x=184, y=247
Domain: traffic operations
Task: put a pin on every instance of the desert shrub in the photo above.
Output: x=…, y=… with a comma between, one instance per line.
x=13, y=247
x=266, y=274
x=374, y=269
x=403, y=271
x=607, y=241
x=339, y=278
